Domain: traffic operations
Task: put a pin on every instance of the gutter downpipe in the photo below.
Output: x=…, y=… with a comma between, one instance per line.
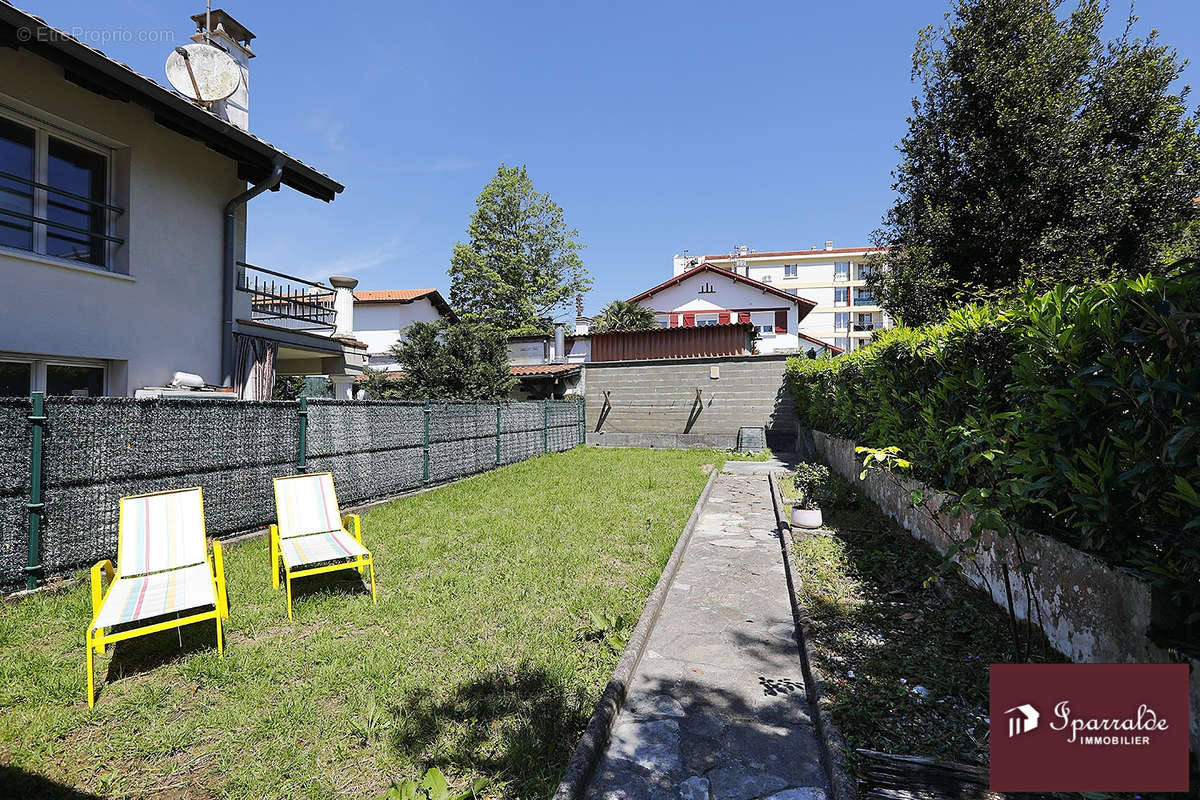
x=230, y=266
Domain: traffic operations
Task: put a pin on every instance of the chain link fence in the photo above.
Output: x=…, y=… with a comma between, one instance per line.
x=97, y=450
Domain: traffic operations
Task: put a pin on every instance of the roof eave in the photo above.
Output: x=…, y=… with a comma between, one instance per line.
x=91, y=70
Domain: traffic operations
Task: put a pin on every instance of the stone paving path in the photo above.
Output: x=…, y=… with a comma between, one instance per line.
x=717, y=708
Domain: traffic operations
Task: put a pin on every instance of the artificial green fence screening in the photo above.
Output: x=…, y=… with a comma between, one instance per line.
x=97, y=450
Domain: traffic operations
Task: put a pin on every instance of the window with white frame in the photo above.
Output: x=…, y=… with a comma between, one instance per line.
x=841, y=321
x=841, y=296
x=791, y=270
x=842, y=342
x=864, y=271
x=54, y=376
x=764, y=323
x=54, y=193
x=706, y=319
x=841, y=270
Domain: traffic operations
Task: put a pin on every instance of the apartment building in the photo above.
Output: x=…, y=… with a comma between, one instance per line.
x=846, y=313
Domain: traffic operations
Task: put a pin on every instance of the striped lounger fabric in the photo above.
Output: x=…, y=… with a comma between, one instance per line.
x=145, y=596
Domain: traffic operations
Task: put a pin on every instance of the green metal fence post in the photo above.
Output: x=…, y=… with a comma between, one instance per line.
x=426, y=478
x=546, y=428
x=302, y=456
x=499, y=406
x=33, y=560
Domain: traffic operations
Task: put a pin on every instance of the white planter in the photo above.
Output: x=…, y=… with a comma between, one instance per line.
x=806, y=518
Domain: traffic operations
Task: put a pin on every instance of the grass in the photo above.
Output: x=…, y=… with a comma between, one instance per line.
x=906, y=666
x=479, y=658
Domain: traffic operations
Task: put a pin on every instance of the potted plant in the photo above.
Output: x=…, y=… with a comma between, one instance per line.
x=812, y=486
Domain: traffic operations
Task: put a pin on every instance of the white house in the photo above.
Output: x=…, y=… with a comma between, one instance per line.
x=707, y=294
x=380, y=317
x=845, y=314
x=123, y=230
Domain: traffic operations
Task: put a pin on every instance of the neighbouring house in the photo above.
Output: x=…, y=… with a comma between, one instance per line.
x=707, y=295
x=548, y=367
x=123, y=228
x=835, y=279
x=380, y=317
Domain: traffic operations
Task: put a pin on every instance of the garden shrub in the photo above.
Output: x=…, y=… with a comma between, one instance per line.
x=1093, y=396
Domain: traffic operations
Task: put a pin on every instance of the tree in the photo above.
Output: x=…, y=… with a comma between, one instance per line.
x=1035, y=151
x=451, y=361
x=521, y=265
x=621, y=315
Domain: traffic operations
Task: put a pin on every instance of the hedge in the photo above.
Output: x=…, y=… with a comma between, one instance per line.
x=1093, y=395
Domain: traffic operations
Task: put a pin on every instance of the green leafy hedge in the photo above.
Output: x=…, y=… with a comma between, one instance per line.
x=1092, y=395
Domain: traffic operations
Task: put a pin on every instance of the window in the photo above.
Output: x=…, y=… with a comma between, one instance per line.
x=60, y=377
x=795, y=292
x=841, y=270
x=841, y=321
x=707, y=288
x=864, y=323
x=15, y=378
x=54, y=195
x=841, y=296
x=790, y=270
x=74, y=380
x=864, y=271
x=706, y=319
x=842, y=341
x=863, y=297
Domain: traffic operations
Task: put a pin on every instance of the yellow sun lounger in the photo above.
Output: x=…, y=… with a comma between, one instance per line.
x=163, y=570
x=310, y=538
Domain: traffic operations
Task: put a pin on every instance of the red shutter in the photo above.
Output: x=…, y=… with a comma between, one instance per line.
x=723, y=318
x=743, y=316
x=674, y=320
x=689, y=320
x=781, y=322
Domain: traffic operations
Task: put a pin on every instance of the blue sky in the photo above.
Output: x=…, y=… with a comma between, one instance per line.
x=657, y=126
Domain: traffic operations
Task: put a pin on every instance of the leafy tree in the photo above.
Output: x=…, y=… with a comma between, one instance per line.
x=452, y=361
x=380, y=384
x=1036, y=150
x=521, y=265
x=621, y=315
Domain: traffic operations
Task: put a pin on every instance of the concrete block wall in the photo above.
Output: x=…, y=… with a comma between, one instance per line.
x=654, y=403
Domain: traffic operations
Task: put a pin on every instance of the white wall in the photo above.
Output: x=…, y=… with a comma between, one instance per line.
x=380, y=325
x=733, y=296
x=165, y=315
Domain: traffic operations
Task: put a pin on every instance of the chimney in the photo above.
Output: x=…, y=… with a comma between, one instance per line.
x=560, y=343
x=227, y=33
x=343, y=306
x=828, y=244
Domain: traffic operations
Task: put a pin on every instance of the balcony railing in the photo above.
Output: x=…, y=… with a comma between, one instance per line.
x=864, y=326
x=864, y=300
x=97, y=212
x=287, y=300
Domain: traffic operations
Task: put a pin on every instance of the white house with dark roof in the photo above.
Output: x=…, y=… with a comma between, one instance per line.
x=380, y=317
x=709, y=295
x=123, y=226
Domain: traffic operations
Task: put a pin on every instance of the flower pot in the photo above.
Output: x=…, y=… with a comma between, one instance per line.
x=806, y=518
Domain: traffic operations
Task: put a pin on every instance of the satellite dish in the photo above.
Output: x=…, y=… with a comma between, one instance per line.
x=203, y=73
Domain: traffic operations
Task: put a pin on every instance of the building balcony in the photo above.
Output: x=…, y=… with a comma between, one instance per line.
x=287, y=301
x=864, y=300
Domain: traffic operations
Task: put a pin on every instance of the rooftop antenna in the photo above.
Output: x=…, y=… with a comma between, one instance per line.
x=207, y=20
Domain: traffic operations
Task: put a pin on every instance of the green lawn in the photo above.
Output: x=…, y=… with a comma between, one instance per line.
x=478, y=658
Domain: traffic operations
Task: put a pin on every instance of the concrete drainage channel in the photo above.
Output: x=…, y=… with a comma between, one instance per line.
x=710, y=699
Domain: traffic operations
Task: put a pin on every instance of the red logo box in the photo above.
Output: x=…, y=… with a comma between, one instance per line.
x=1089, y=727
